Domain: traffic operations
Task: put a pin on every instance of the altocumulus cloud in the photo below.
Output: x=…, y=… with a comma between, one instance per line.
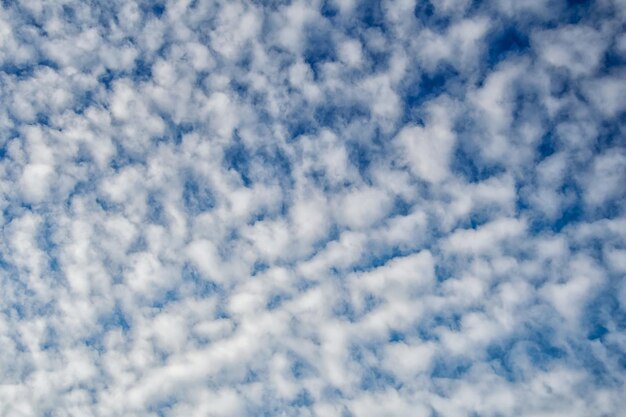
x=312, y=208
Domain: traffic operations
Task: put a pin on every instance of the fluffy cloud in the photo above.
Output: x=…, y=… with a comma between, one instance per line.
x=312, y=208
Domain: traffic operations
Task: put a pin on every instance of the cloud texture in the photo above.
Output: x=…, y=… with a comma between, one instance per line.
x=312, y=208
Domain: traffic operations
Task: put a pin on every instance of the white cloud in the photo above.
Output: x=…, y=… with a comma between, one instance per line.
x=311, y=208
x=362, y=208
x=486, y=237
x=427, y=149
x=577, y=48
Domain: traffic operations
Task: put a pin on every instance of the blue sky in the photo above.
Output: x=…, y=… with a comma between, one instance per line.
x=313, y=208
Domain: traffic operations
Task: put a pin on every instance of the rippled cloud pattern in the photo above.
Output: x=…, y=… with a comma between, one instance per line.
x=332, y=208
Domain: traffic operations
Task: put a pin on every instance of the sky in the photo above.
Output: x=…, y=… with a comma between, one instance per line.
x=323, y=208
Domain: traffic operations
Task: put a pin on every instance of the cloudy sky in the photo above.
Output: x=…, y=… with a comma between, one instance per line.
x=333, y=208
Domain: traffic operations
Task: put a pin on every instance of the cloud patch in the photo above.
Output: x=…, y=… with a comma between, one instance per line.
x=312, y=208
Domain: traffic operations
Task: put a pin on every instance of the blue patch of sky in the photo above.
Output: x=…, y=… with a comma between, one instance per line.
x=330, y=392
x=272, y=4
x=346, y=413
x=328, y=9
x=504, y=42
x=360, y=154
x=142, y=70
x=251, y=376
x=50, y=339
x=84, y=100
x=376, y=60
x=7, y=134
x=611, y=135
x=343, y=309
x=240, y=87
x=480, y=217
x=245, y=58
x=428, y=328
x=604, y=312
x=333, y=235
x=303, y=285
x=107, y=77
x=125, y=157
x=24, y=15
x=335, y=114
x=540, y=349
x=450, y=367
x=26, y=70
x=107, y=14
x=379, y=256
x=572, y=208
x=401, y=207
x=319, y=48
x=106, y=205
x=300, y=123
x=46, y=241
x=396, y=336
x=445, y=268
x=577, y=10
x=528, y=108
x=547, y=146
x=300, y=368
x=572, y=212
x=427, y=85
x=237, y=158
x=138, y=245
x=68, y=13
x=613, y=60
x=319, y=179
x=259, y=267
x=276, y=300
x=303, y=399
x=585, y=354
x=116, y=319
x=165, y=297
x=468, y=164
x=499, y=357
x=197, y=196
x=197, y=286
x=163, y=406
x=95, y=342
x=597, y=331
x=9, y=270
x=269, y=407
x=175, y=130
x=157, y=9
x=427, y=16
x=113, y=320
x=560, y=82
x=274, y=160
x=374, y=378
x=155, y=213
x=42, y=119
x=371, y=14
x=15, y=311
x=21, y=299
